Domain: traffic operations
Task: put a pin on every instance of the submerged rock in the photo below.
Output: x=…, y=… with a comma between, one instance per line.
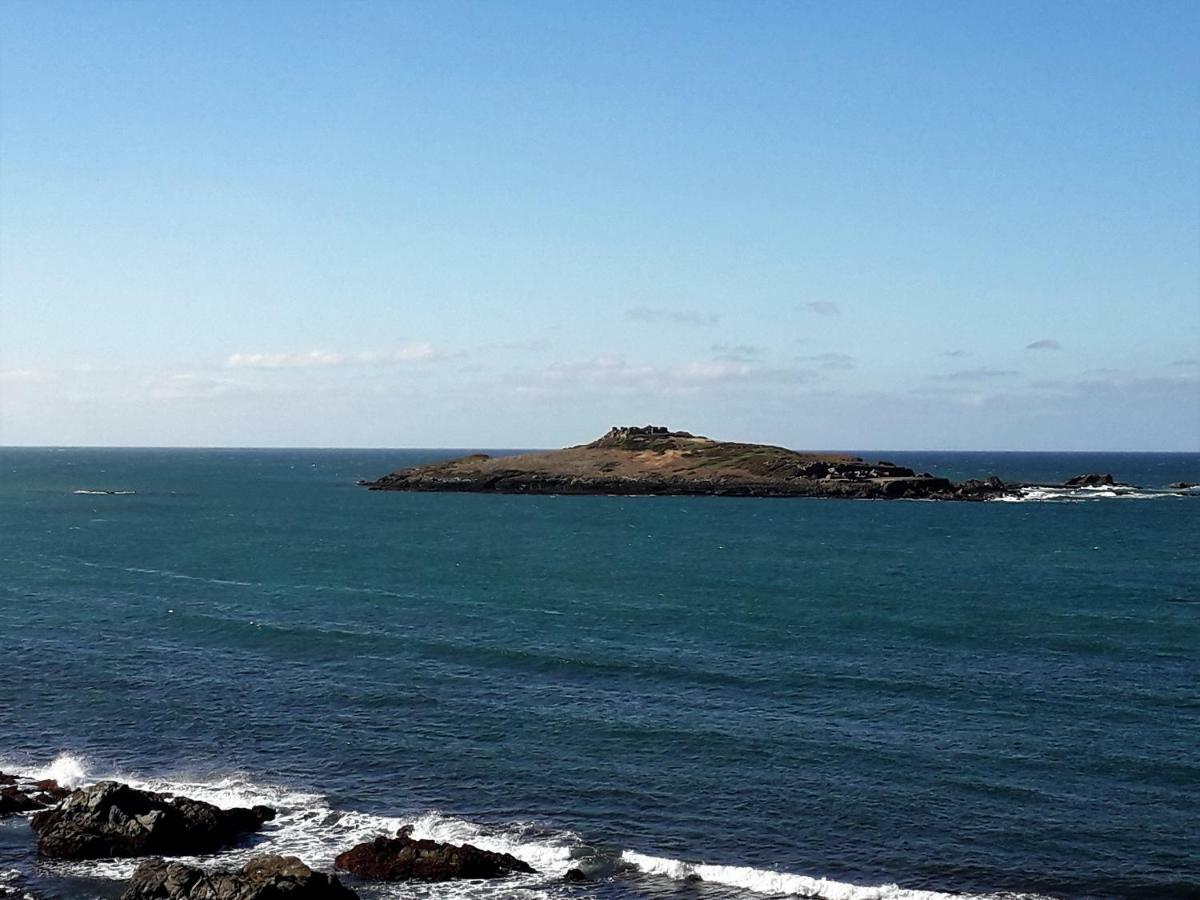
x=262, y=878
x=113, y=819
x=404, y=858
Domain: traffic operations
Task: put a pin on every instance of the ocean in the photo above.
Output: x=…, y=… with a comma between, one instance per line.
x=695, y=698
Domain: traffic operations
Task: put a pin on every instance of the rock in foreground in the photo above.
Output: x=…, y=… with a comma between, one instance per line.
x=262, y=878
x=18, y=796
x=113, y=819
x=653, y=460
x=403, y=858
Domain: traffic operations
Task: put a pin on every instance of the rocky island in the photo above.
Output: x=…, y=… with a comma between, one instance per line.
x=655, y=460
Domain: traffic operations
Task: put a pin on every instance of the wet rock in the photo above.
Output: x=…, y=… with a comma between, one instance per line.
x=14, y=800
x=1182, y=485
x=17, y=796
x=404, y=858
x=981, y=489
x=1092, y=479
x=50, y=791
x=262, y=878
x=575, y=876
x=113, y=819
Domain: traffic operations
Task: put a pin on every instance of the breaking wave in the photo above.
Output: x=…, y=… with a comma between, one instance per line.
x=766, y=881
x=1043, y=494
x=308, y=827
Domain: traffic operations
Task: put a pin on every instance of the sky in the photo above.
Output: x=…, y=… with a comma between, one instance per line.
x=863, y=225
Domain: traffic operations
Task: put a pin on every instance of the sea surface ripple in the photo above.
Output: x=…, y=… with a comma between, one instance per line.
x=687, y=697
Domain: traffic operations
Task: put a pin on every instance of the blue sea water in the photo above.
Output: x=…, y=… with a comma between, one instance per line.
x=840, y=699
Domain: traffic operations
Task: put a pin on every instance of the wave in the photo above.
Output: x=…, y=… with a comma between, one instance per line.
x=767, y=881
x=1044, y=493
x=308, y=827
x=110, y=493
x=10, y=885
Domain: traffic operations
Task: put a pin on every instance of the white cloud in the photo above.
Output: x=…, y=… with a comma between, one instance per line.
x=20, y=376
x=737, y=352
x=673, y=316
x=977, y=374
x=823, y=308
x=1044, y=344
x=317, y=358
x=615, y=372
x=830, y=360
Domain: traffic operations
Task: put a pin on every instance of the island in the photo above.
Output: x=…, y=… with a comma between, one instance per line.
x=653, y=460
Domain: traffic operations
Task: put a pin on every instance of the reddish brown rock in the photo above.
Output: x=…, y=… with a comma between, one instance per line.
x=404, y=858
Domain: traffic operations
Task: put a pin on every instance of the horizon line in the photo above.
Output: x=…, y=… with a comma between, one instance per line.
x=264, y=447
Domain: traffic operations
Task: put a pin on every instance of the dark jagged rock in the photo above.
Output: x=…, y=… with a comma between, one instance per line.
x=18, y=797
x=50, y=791
x=404, y=858
x=1182, y=485
x=976, y=489
x=652, y=459
x=14, y=800
x=575, y=876
x=1092, y=479
x=262, y=878
x=113, y=819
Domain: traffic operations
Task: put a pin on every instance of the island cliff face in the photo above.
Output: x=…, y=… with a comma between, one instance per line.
x=655, y=460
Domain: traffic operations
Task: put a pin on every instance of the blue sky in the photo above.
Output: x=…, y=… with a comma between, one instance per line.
x=865, y=225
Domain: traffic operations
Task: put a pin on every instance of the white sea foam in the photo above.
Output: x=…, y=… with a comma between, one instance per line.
x=766, y=881
x=10, y=885
x=1044, y=493
x=69, y=771
x=308, y=827
x=102, y=493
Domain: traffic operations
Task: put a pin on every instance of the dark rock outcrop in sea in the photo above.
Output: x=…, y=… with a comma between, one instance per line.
x=113, y=819
x=403, y=858
x=18, y=797
x=653, y=460
x=262, y=878
x=1091, y=479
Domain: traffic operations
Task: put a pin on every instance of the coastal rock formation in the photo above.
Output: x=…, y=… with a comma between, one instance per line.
x=655, y=460
x=404, y=858
x=262, y=878
x=14, y=800
x=113, y=819
x=18, y=797
x=1092, y=479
